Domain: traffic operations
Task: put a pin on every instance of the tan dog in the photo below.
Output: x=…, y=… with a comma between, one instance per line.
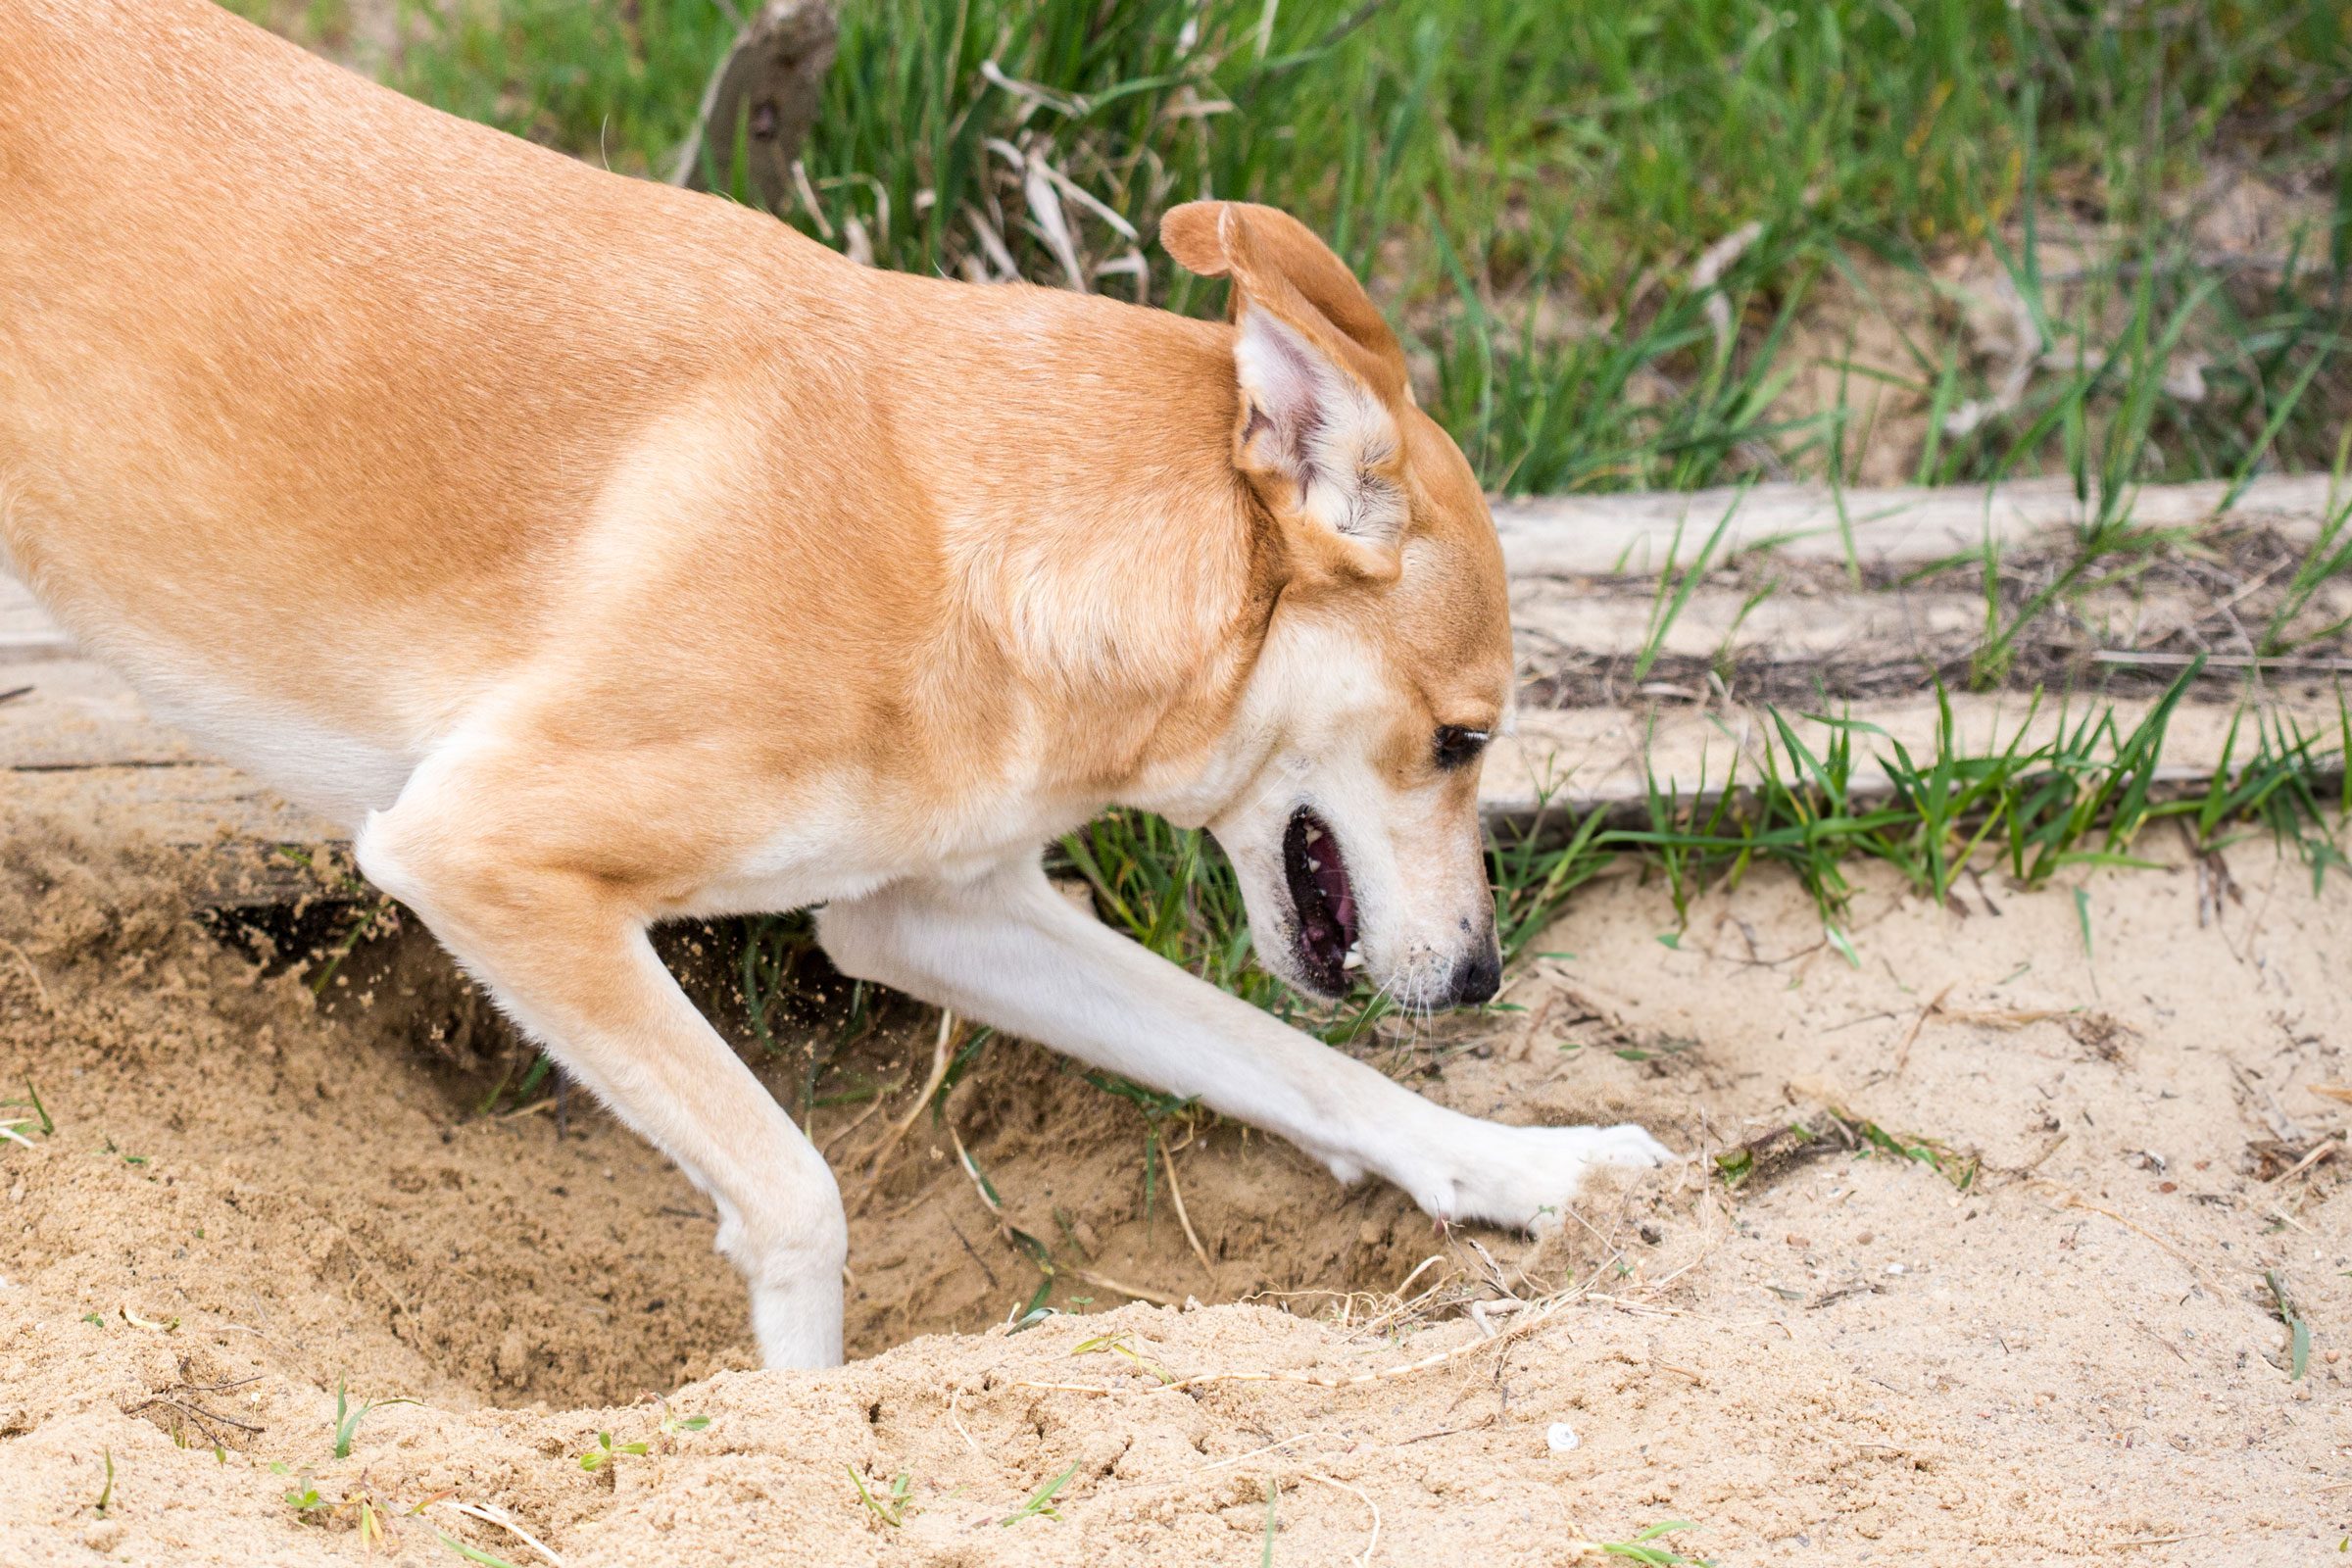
x=604, y=554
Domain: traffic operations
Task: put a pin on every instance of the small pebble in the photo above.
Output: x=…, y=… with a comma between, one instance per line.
x=1895, y=1268
x=2330, y=1356
x=1865, y=1239
x=1561, y=1436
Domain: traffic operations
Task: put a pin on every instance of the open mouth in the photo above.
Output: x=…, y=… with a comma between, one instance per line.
x=1322, y=899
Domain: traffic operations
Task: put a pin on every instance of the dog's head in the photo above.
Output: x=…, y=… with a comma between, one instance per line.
x=1387, y=663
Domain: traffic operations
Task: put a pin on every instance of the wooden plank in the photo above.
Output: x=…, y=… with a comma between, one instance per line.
x=26, y=633
x=73, y=712
x=1557, y=536
x=1553, y=617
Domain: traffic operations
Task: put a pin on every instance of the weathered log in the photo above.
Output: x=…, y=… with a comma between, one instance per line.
x=760, y=103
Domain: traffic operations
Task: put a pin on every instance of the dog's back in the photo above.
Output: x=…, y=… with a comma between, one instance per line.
x=395, y=402
x=338, y=366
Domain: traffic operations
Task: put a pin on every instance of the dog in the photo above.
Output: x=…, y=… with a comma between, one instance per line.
x=602, y=554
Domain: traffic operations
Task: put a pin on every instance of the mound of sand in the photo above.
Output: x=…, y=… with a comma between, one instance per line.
x=249, y=1201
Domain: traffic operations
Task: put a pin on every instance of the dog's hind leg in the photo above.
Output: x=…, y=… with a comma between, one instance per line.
x=1007, y=949
x=564, y=949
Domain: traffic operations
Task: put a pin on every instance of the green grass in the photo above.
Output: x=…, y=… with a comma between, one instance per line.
x=1645, y=1548
x=888, y=1508
x=348, y=1417
x=1041, y=1502
x=2080, y=799
x=1531, y=185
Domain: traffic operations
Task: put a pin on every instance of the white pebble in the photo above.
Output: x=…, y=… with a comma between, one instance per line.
x=1895, y=1268
x=1561, y=1436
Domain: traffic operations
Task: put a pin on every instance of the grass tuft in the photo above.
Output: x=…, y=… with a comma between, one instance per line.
x=348, y=1417
x=1041, y=1502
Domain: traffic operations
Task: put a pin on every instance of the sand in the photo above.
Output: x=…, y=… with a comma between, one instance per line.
x=250, y=1200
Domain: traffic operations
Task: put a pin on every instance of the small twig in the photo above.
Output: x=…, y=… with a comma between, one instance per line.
x=2067, y=1199
x=1525, y=1325
x=862, y=1118
x=2122, y=655
x=1133, y=1293
x=1902, y=1052
x=1706, y=275
x=942, y=1055
x=2039, y=1161
x=1363, y=1562
x=956, y=1421
x=491, y=1513
x=1167, y=1164
x=973, y=1254
x=200, y=1415
x=2319, y=1151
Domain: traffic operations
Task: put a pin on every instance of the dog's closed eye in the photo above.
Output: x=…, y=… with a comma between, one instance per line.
x=1456, y=745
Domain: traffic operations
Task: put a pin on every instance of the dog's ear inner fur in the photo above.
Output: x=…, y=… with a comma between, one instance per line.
x=1322, y=383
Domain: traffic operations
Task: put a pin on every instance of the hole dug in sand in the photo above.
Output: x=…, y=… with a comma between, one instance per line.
x=325, y=1174
x=250, y=1198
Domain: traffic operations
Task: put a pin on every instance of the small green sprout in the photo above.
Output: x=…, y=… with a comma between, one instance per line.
x=1639, y=1549
x=488, y=1559
x=1122, y=1345
x=348, y=1417
x=607, y=1450
x=890, y=1508
x=1041, y=1502
x=672, y=1424
x=12, y=1129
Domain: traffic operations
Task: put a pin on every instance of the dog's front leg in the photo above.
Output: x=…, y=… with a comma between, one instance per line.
x=1009, y=950
x=565, y=952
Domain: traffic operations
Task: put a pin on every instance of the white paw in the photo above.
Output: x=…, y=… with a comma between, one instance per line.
x=1525, y=1177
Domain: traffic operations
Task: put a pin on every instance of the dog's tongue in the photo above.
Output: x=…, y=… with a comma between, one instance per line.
x=1331, y=877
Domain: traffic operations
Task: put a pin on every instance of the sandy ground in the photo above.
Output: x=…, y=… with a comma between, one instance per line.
x=247, y=1202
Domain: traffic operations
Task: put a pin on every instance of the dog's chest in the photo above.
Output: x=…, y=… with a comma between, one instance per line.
x=849, y=835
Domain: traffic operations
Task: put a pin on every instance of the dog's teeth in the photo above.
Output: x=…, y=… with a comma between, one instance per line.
x=1313, y=864
x=1355, y=957
x=1314, y=835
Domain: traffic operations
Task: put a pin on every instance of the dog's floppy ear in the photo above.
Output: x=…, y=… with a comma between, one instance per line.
x=1322, y=381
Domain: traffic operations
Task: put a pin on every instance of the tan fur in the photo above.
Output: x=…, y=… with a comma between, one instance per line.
x=606, y=553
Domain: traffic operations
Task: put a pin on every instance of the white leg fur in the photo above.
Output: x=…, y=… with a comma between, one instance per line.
x=1009, y=950
x=633, y=1039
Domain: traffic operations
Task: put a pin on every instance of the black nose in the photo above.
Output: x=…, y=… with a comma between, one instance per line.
x=1476, y=976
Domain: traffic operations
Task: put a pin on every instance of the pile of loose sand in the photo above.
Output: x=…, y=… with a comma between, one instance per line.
x=248, y=1201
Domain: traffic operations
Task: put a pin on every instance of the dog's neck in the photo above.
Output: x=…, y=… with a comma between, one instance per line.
x=1101, y=550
